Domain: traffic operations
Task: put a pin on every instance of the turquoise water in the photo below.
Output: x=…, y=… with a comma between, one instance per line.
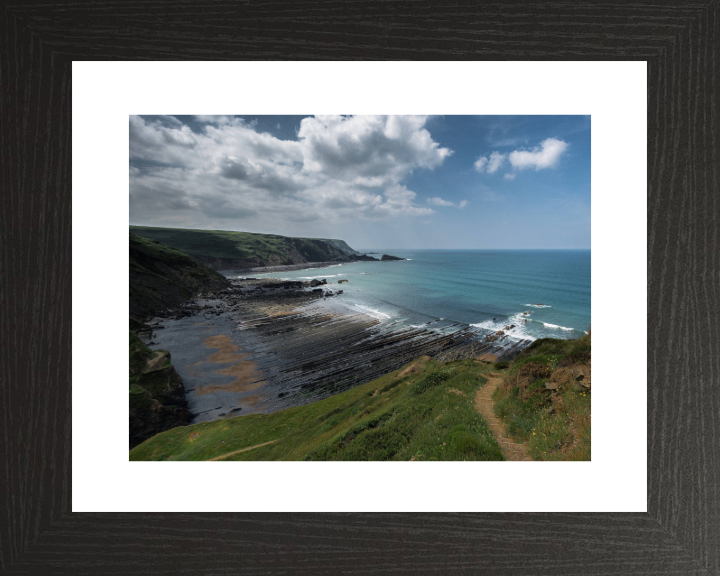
x=487, y=289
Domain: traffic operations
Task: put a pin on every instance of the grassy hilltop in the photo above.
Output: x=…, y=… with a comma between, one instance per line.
x=424, y=411
x=218, y=248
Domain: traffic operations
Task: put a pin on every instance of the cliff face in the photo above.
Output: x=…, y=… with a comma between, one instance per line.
x=162, y=277
x=223, y=250
x=342, y=245
x=157, y=394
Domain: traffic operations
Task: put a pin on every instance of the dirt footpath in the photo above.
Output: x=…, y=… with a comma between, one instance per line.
x=484, y=405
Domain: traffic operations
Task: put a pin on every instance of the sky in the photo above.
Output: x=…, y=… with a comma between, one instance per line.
x=444, y=182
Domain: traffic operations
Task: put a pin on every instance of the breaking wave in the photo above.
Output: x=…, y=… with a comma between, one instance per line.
x=373, y=312
x=517, y=332
x=559, y=327
x=319, y=277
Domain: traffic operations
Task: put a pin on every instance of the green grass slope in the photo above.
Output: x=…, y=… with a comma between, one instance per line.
x=163, y=277
x=546, y=399
x=252, y=249
x=424, y=411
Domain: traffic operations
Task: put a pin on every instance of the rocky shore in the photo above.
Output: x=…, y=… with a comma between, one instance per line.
x=263, y=344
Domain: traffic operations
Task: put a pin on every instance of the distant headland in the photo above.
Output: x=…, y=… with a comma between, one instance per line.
x=227, y=250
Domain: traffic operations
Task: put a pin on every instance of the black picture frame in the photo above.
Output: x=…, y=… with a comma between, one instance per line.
x=680, y=533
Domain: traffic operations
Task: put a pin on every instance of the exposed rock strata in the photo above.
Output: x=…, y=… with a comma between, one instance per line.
x=304, y=351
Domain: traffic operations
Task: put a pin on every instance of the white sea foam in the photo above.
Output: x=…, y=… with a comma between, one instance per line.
x=373, y=312
x=320, y=276
x=518, y=332
x=556, y=326
x=539, y=305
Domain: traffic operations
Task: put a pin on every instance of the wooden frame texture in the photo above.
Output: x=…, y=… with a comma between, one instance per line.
x=680, y=534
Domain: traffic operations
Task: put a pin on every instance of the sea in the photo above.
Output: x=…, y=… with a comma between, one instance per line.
x=484, y=289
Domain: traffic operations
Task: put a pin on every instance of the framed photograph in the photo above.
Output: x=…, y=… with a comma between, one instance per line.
x=416, y=173
x=440, y=333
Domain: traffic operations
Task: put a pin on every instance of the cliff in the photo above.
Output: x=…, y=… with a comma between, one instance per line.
x=223, y=250
x=163, y=277
x=157, y=394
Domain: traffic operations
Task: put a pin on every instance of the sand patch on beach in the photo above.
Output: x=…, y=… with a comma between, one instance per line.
x=227, y=351
x=250, y=401
x=244, y=371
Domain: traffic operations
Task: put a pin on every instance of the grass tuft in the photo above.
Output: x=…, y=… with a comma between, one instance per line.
x=555, y=423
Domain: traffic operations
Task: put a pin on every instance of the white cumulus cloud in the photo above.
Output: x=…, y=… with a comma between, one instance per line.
x=480, y=163
x=490, y=165
x=544, y=156
x=225, y=170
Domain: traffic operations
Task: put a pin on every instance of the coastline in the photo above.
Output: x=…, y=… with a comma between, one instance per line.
x=289, y=267
x=265, y=344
